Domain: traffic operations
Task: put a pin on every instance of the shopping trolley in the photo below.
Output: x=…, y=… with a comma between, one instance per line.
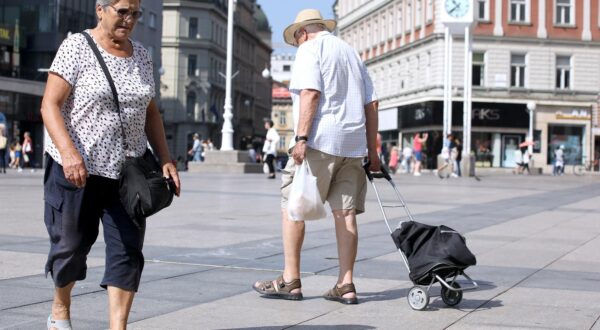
x=431, y=253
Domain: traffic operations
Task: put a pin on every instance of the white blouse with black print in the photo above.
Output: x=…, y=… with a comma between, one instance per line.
x=89, y=112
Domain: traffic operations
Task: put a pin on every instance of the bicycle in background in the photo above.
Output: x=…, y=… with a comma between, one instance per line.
x=586, y=167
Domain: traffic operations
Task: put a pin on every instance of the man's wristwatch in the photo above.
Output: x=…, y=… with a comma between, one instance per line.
x=301, y=138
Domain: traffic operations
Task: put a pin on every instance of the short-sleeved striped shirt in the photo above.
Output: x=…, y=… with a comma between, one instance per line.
x=329, y=65
x=89, y=112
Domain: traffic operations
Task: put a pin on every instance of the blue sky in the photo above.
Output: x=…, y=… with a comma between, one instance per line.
x=282, y=13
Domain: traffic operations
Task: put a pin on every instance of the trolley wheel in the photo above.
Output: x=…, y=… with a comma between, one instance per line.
x=578, y=170
x=418, y=298
x=452, y=298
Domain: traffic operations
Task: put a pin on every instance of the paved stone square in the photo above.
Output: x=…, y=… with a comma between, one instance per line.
x=536, y=239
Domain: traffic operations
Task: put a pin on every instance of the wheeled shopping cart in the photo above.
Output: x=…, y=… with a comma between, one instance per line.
x=431, y=254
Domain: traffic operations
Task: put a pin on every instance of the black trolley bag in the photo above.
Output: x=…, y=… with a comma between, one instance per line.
x=430, y=253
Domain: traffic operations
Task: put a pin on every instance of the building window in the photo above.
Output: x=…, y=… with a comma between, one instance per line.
x=429, y=14
x=519, y=11
x=282, y=118
x=287, y=68
x=564, y=12
x=282, y=143
x=193, y=28
x=478, y=69
x=483, y=10
x=192, y=65
x=408, y=21
x=563, y=72
x=190, y=105
x=517, y=70
x=399, y=19
x=419, y=13
x=571, y=138
x=152, y=20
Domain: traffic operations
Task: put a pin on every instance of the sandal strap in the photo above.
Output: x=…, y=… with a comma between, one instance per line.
x=342, y=290
x=283, y=286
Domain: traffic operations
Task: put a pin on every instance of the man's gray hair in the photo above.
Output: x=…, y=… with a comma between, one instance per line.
x=315, y=27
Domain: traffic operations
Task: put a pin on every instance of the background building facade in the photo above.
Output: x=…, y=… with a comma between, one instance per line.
x=524, y=51
x=193, y=84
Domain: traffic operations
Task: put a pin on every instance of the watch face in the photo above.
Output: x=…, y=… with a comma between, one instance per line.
x=457, y=8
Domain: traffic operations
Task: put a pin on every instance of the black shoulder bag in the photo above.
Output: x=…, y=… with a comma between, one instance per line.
x=143, y=190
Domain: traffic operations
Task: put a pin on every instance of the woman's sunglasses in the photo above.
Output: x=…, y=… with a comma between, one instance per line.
x=124, y=13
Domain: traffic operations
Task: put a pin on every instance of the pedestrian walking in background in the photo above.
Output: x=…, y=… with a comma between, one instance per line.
x=3, y=145
x=27, y=151
x=407, y=158
x=88, y=141
x=525, y=156
x=18, y=162
x=446, y=154
x=394, y=155
x=418, y=142
x=270, y=147
x=457, y=156
x=197, y=149
x=559, y=161
x=335, y=117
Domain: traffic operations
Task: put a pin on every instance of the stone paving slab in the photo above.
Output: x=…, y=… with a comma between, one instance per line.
x=536, y=239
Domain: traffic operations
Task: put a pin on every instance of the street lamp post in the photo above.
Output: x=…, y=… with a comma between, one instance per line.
x=531, y=108
x=227, y=131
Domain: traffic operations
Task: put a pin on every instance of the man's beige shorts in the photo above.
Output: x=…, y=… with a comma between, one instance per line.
x=341, y=181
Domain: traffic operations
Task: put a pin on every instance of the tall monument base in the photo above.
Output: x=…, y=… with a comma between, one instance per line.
x=234, y=162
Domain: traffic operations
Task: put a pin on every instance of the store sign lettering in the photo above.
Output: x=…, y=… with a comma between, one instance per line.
x=486, y=114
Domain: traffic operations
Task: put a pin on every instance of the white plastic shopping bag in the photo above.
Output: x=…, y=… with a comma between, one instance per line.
x=304, y=202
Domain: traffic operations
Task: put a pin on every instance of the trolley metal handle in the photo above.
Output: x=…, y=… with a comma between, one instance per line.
x=383, y=173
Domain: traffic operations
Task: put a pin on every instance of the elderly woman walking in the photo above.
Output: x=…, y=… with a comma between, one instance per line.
x=89, y=139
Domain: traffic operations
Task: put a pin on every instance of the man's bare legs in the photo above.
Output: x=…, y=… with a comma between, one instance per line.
x=119, y=302
x=346, y=232
x=293, y=237
x=61, y=307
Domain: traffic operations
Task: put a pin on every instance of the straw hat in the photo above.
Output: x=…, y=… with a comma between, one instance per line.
x=304, y=18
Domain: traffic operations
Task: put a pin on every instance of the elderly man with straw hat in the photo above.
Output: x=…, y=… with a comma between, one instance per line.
x=335, y=116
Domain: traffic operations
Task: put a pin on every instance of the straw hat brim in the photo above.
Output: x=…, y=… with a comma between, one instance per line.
x=288, y=33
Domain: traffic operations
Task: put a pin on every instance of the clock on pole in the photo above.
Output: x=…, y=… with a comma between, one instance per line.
x=458, y=16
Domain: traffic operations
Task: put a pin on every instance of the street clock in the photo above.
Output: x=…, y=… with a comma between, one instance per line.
x=457, y=14
x=457, y=8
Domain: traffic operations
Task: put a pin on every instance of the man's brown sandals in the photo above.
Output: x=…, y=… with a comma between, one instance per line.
x=281, y=289
x=337, y=294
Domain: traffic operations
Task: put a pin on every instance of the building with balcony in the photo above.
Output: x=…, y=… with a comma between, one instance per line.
x=540, y=51
x=194, y=51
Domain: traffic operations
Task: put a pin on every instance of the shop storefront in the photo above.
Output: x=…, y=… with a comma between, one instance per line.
x=569, y=127
x=497, y=130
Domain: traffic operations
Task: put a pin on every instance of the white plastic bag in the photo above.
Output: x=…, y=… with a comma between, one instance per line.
x=304, y=202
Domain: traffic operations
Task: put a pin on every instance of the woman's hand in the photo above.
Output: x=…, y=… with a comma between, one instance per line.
x=74, y=168
x=170, y=172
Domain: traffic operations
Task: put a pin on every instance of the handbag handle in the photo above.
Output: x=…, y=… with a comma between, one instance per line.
x=111, y=83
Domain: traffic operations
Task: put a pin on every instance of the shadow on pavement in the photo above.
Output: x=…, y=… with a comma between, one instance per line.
x=311, y=327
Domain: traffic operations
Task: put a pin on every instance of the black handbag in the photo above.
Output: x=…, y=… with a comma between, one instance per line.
x=143, y=190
